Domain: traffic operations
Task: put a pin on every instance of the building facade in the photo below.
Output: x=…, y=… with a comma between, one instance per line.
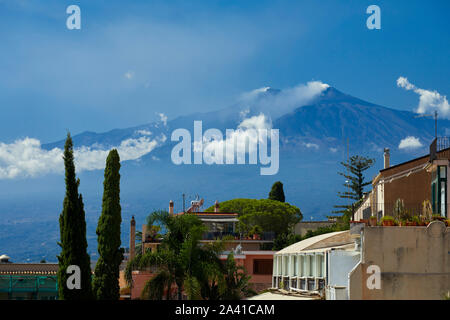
x=220, y=225
x=28, y=281
x=403, y=263
x=369, y=263
x=416, y=184
x=316, y=264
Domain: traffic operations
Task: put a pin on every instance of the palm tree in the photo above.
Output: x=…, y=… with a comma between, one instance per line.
x=175, y=257
x=181, y=260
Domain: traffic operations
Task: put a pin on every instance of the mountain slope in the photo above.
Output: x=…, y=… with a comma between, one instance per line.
x=313, y=142
x=336, y=117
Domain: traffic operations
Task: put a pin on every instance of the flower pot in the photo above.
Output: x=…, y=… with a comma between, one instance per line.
x=373, y=221
x=365, y=221
x=388, y=223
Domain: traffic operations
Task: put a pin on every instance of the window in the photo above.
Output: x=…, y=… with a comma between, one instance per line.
x=442, y=172
x=439, y=190
x=305, y=265
x=312, y=265
x=286, y=266
x=443, y=202
x=262, y=266
x=274, y=268
x=279, y=261
x=301, y=272
x=294, y=273
x=302, y=284
x=321, y=284
x=311, y=284
x=319, y=266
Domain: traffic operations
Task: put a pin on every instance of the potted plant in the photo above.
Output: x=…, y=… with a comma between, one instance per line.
x=414, y=221
x=255, y=232
x=437, y=217
x=373, y=221
x=427, y=209
x=423, y=222
x=387, y=221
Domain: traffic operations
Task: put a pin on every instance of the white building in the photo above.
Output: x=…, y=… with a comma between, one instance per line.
x=317, y=264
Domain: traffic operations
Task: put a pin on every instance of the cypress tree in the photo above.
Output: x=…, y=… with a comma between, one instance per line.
x=106, y=281
x=72, y=226
x=277, y=192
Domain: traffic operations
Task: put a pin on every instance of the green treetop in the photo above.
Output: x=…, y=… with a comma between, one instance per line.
x=106, y=281
x=72, y=227
x=277, y=192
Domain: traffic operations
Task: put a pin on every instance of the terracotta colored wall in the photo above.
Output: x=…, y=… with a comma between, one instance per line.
x=139, y=280
x=259, y=281
x=122, y=282
x=413, y=190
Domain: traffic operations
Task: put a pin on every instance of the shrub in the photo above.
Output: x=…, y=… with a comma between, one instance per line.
x=415, y=219
x=437, y=217
x=387, y=218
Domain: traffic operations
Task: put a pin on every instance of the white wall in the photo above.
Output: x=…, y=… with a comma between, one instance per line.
x=340, y=264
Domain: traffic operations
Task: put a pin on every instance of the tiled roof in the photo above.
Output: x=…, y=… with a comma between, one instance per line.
x=28, y=268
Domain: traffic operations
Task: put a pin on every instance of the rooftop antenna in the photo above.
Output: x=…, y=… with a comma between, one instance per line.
x=184, y=204
x=435, y=115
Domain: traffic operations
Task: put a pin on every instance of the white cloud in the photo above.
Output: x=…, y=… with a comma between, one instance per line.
x=243, y=114
x=143, y=132
x=310, y=145
x=333, y=150
x=410, y=143
x=26, y=158
x=283, y=102
x=428, y=100
x=129, y=75
x=256, y=122
x=163, y=118
x=245, y=137
x=254, y=93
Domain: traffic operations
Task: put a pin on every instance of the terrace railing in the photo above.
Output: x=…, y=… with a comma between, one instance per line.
x=440, y=148
x=213, y=235
x=391, y=209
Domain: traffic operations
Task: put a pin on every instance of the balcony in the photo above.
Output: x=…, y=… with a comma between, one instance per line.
x=440, y=148
x=215, y=235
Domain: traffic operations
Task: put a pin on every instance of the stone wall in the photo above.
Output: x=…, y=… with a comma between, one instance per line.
x=302, y=228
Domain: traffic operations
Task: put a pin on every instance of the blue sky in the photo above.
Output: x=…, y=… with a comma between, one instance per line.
x=134, y=59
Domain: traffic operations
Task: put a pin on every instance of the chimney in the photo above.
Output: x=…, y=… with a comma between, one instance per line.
x=132, y=237
x=216, y=206
x=171, y=207
x=386, y=158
